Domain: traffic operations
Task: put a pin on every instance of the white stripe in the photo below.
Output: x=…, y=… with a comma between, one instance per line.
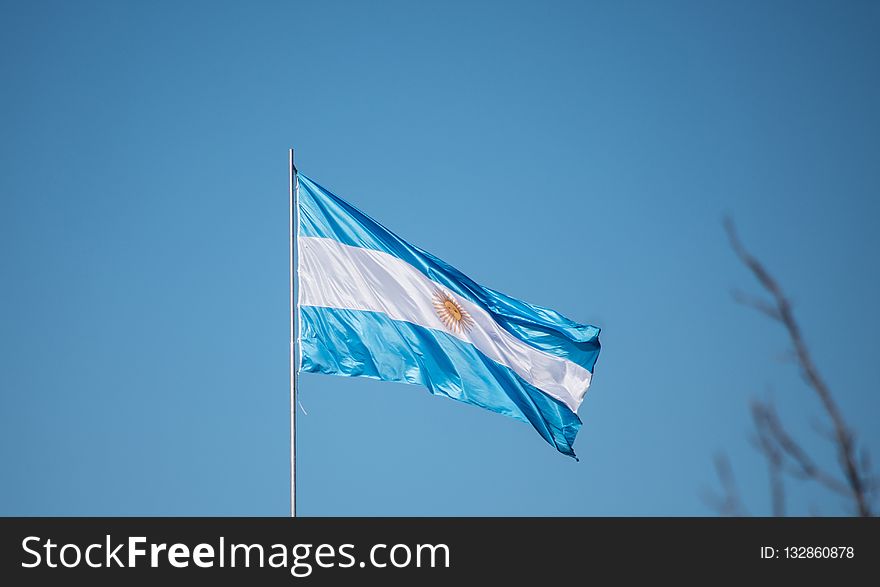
x=334, y=275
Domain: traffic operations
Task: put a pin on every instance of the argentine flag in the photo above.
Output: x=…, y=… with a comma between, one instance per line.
x=372, y=305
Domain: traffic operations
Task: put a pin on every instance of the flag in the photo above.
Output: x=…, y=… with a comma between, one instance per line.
x=372, y=305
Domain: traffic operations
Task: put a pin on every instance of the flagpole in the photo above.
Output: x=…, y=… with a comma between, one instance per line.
x=294, y=192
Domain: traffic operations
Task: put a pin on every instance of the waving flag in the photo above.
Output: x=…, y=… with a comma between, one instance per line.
x=372, y=305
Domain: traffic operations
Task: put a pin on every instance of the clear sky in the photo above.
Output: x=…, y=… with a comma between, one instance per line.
x=576, y=155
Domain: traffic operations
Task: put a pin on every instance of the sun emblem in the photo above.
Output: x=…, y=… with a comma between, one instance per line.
x=451, y=313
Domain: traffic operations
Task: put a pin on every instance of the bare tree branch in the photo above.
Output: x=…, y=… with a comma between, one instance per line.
x=774, y=459
x=857, y=482
x=729, y=503
x=800, y=463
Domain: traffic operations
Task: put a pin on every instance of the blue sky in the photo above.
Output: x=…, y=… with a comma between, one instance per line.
x=576, y=155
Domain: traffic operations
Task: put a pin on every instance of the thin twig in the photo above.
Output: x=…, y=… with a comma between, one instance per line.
x=774, y=460
x=728, y=504
x=757, y=304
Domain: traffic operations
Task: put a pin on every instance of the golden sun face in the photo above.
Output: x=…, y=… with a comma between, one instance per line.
x=451, y=313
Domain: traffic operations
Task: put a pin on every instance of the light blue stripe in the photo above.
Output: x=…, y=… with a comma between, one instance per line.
x=323, y=214
x=370, y=344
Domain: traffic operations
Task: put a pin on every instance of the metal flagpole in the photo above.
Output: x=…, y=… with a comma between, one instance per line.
x=294, y=211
